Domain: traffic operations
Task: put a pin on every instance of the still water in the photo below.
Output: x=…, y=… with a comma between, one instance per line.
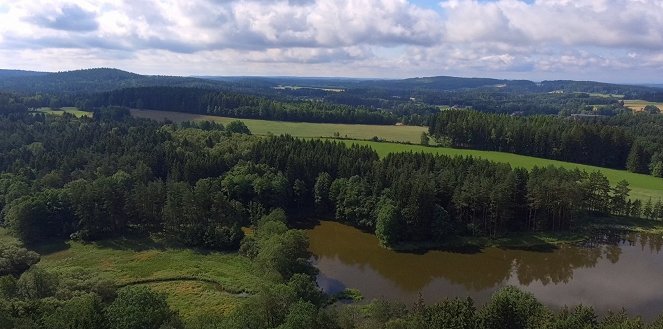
x=607, y=274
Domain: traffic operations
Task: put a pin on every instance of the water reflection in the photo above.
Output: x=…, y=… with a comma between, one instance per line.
x=595, y=273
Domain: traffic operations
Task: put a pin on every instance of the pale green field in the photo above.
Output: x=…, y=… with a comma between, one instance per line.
x=394, y=133
x=643, y=186
x=71, y=110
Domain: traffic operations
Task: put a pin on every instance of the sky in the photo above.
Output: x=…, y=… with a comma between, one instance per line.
x=603, y=40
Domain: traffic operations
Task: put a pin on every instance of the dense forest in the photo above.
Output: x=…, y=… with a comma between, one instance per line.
x=203, y=101
x=197, y=184
x=630, y=141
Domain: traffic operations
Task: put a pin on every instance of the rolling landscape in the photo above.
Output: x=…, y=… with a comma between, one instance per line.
x=287, y=165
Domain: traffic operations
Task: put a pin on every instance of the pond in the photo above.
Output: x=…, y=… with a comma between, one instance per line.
x=608, y=274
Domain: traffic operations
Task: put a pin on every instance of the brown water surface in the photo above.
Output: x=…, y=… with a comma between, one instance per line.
x=611, y=273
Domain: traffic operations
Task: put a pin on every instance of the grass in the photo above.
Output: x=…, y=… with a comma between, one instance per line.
x=642, y=186
x=639, y=105
x=128, y=262
x=394, y=133
x=71, y=110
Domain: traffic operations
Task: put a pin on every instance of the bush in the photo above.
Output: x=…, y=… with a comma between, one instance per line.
x=511, y=308
x=140, y=308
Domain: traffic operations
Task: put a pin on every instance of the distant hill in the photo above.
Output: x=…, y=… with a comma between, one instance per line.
x=107, y=79
x=92, y=81
x=19, y=73
x=447, y=83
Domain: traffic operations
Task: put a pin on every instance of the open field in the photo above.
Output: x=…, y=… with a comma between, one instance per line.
x=643, y=186
x=71, y=110
x=638, y=105
x=170, y=270
x=394, y=133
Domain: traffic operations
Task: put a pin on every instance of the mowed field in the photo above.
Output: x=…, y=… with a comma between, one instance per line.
x=71, y=110
x=643, y=186
x=394, y=133
x=195, y=283
x=639, y=105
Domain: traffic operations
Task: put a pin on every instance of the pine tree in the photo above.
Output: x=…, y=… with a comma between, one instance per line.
x=647, y=209
x=657, y=211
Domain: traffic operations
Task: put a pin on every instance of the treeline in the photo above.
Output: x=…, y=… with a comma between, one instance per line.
x=646, y=155
x=421, y=197
x=199, y=183
x=204, y=101
x=508, y=102
x=540, y=136
x=623, y=142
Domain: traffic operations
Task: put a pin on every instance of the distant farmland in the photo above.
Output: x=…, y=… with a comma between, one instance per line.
x=393, y=133
x=638, y=105
x=71, y=110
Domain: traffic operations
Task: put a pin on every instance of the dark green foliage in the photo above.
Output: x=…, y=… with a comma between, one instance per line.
x=620, y=320
x=79, y=312
x=321, y=192
x=388, y=222
x=510, y=308
x=546, y=137
x=140, y=308
x=37, y=284
x=651, y=109
x=41, y=217
x=301, y=315
x=580, y=317
x=237, y=127
x=305, y=287
x=15, y=260
x=203, y=216
x=638, y=159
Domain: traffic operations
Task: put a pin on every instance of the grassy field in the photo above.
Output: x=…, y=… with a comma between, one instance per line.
x=71, y=110
x=643, y=186
x=638, y=105
x=167, y=269
x=301, y=129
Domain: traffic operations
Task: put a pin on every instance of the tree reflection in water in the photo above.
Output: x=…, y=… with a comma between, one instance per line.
x=349, y=257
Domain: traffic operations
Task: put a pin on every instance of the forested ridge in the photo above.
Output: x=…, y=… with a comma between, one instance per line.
x=630, y=141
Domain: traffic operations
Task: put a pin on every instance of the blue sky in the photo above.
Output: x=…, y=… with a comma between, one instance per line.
x=606, y=40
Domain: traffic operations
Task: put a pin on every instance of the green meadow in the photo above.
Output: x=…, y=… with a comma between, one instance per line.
x=394, y=133
x=60, y=111
x=196, y=283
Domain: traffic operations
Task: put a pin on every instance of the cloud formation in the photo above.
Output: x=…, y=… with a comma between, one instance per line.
x=512, y=38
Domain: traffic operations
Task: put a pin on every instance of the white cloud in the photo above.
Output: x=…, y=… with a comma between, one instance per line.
x=464, y=37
